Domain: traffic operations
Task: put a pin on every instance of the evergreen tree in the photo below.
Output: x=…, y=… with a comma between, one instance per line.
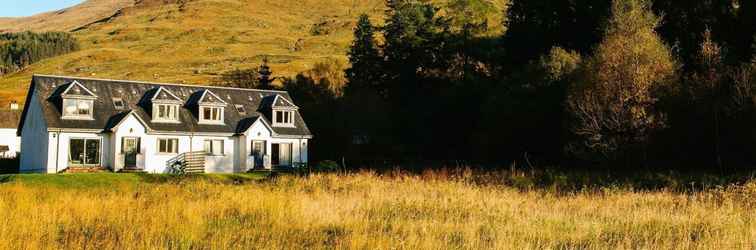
x=365, y=70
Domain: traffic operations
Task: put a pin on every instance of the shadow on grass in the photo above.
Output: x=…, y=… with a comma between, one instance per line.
x=232, y=179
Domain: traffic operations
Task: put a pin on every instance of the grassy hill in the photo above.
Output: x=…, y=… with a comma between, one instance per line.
x=192, y=41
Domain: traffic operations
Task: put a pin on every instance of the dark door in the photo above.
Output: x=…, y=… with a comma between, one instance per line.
x=258, y=151
x=274, y=154
x=130, y=149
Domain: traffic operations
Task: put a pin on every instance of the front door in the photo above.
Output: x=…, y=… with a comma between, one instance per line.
x=130, y=149
x=258, y=152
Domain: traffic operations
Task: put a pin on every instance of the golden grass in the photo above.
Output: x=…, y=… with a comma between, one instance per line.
x=366, y=211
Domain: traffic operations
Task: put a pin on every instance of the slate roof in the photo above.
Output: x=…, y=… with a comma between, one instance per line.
x=9, y=118
x=137, y=96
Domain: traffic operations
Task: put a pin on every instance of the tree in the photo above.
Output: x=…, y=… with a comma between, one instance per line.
x=240, y=78
x=613, y=104
x=706, y=86
x=364, y=57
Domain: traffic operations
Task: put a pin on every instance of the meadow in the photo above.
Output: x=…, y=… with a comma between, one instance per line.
x=395, y=210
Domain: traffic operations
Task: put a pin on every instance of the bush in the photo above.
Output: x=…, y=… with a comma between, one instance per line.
x=327, y=166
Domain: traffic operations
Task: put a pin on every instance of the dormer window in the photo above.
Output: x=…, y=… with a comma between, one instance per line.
x=165, y=106
x=78, y=109
x=78, y=102
x=283, y=112
x=211, y=108
x=283, y=118
x=165, y=112
x=211, y=115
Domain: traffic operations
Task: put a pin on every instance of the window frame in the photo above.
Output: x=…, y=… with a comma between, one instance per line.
x=78, y=116
x=219, y=112
x=84, y=151
x=210, y=143
x=252, y=147
x=286, y=118
x=173, y=118
x=173, y=151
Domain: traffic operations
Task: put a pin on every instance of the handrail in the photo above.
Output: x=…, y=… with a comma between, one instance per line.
x=187, y=163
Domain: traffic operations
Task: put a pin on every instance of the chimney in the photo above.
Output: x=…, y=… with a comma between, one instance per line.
x=13, y=105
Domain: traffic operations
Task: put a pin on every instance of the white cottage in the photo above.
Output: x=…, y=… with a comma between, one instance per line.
x=10, y=144
x=75, y=124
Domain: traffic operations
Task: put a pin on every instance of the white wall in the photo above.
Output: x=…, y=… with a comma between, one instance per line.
x=129, y=127
x=8, y=138
x=61, y=153
x=34, y=142
x=259, y=132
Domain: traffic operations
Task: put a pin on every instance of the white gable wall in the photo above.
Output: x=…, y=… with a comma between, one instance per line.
x=129, y=127
x=34, y=139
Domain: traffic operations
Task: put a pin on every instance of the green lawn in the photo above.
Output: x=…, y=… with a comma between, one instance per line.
x=118, y=179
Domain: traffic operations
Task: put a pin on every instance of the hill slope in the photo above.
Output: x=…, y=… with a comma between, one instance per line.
x=192, y=41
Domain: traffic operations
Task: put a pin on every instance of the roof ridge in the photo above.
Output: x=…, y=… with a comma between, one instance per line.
x=157, y=83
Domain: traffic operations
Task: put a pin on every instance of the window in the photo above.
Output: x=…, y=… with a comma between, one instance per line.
x=258, y=149
x=211, y=115
x=118, y=104
x=77, y=109
x=84, y=152
x=284, y=118
x=168, y=146
x=214, y=147
x=241, y=110
x=165, y=113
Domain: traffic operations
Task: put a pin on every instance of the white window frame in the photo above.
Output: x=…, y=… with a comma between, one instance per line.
x=211, y=148
x=286, y=119
x=85, y=139
x=215, y=111
x=171, y=115
x=78, y=115
x=174, y=148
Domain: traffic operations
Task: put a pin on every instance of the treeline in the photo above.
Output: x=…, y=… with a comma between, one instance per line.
x=18, y=50
x=619, y=84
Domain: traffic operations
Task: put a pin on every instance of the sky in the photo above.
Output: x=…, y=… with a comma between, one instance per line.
x=19, y=8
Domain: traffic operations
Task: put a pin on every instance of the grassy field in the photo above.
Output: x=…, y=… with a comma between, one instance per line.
x=432, y=210
x=193, y=41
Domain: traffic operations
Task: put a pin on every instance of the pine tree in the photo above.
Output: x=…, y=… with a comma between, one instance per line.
x=364, y=57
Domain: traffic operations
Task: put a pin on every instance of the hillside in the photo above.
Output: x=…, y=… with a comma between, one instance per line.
x=192, y=41
x=65, y=19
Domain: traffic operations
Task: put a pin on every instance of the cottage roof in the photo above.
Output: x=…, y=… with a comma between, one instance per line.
x=9, y=118
x=134, y=93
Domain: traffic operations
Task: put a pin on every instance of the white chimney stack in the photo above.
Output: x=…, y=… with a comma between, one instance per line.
x=14, y=105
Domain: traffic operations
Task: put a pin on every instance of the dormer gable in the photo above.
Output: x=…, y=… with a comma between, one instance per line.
x=210, y=108
x=282, y=111
x=76, y=102
x=163, y=95
x=209, y=98
x=164, y=105
x=77, y=90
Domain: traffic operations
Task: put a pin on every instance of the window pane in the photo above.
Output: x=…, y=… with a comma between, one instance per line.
x=206, y=113
x=70, y=107
x=279, y=116
x=218, y=147
x=93, y=152
x=161, y=111
x=174, y=146
x=76, y=154
x=162, y=146
x=208, y=147
x=84, y=107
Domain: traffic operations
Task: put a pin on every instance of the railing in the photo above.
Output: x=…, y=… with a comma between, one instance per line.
x=188, y=163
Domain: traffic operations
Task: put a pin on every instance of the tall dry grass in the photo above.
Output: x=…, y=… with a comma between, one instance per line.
x=368, y=211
